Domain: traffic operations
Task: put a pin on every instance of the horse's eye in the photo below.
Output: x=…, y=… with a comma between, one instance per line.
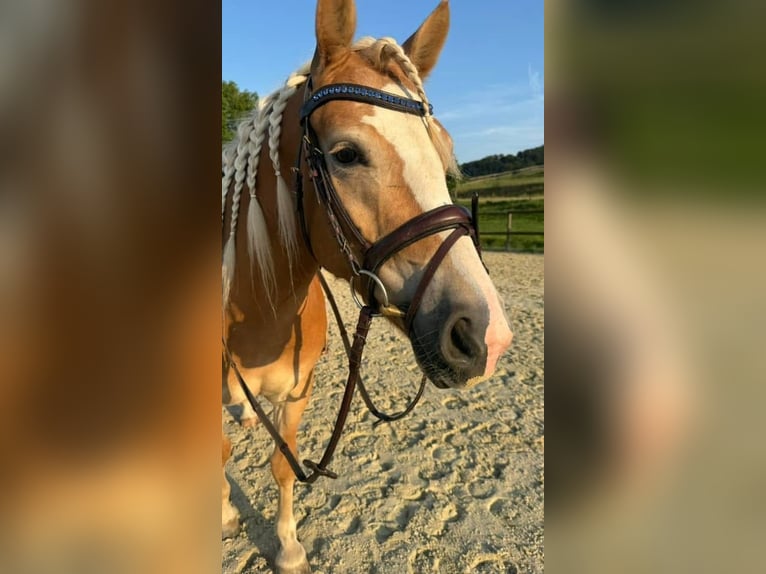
x=346, y=155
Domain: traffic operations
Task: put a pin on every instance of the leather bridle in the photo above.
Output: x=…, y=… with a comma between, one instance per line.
x=350, y=239
x=373, y=256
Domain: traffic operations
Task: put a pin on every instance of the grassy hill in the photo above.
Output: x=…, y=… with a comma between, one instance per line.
x=522, y=183
x=515, y=191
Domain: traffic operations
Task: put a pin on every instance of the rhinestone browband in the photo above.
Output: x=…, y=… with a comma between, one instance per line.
x=364, y=94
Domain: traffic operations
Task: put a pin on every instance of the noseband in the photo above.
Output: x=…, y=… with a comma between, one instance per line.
x=350, y=239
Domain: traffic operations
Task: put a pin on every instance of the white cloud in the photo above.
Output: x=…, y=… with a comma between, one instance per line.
x=507, y=141
x=535, y=85
x=498, y=119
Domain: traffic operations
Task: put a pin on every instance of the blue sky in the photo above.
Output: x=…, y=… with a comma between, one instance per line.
x=487, y=88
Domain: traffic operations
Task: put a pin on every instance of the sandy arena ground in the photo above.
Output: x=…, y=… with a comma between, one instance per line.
x=456, y=487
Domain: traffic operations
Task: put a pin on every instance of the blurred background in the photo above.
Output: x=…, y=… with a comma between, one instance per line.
x=655, y=267
x=109, y=283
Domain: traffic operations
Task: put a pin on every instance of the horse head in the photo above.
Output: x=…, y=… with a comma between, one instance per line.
x=379, y=161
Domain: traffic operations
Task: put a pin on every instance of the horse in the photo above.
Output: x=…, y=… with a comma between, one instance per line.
x=357, y=123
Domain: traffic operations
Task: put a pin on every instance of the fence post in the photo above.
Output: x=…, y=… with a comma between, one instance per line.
x=508, y=231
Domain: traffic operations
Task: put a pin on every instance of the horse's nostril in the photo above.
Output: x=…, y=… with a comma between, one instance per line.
x=460, y=337
x=463, y=346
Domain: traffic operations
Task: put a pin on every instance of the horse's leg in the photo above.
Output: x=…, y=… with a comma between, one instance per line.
x=234, y=395
x=229, y=514
x=291, y=558
x=247, y=416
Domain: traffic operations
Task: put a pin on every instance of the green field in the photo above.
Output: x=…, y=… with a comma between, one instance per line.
x=524, y=183
x=508, y=192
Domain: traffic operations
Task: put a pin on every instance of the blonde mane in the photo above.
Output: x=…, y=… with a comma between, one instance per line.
x=241, y=157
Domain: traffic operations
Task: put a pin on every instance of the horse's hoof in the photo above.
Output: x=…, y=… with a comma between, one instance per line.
x=292, y=563
x=249, y=423
x=230, y=529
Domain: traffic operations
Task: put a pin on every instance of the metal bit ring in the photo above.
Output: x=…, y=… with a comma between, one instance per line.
x=375, y=279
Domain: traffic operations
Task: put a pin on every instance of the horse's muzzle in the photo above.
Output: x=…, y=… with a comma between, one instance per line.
x=452, y=351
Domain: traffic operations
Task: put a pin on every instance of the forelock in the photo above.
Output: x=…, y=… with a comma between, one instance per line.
x=387, y=57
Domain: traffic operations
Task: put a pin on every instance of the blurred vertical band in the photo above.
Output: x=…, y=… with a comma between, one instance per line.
x=109, y=283
x=655, y=237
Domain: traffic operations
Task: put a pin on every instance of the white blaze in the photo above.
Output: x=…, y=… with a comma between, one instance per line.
x=424, y=175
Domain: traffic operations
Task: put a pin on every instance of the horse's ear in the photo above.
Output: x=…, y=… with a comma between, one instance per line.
x=335, y=27
x=425, y=45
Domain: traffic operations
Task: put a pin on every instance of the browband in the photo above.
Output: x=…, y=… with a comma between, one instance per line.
x=365, y=95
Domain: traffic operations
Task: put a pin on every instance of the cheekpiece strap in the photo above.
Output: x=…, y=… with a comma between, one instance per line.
x=354, y=92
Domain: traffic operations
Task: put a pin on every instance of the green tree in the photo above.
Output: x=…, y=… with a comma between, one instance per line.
x=451, y=184
x=499, y=163
x=235, y=104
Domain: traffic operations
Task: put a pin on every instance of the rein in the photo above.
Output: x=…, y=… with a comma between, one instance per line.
x=381, y=416
x=373, y=256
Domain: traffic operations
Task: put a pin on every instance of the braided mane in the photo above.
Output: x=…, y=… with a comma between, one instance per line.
x=241, y=158
x=240, y=161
